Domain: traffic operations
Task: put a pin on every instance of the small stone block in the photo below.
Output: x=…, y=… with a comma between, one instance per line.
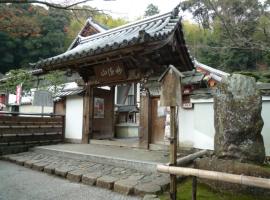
x=20, y=161
x=125, y=186
x=39, y=166
x=90, y=178
x=106, y=182
x=75, y=175
x=28, y=164
x=5, y=157
x=12, y=158
x=147, y=188
x=61, y=171
x=49, y=169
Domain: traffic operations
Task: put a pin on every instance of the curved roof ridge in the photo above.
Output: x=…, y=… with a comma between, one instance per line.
x=127, y=26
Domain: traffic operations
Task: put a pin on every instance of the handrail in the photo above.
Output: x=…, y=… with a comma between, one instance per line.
x=217, y=176
x=213, y=175
x=31, y=114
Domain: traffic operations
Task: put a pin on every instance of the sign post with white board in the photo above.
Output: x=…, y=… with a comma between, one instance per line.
x=171, y=95
x=43, y=98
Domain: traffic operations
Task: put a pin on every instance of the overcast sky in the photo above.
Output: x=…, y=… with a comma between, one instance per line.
x=130, y=9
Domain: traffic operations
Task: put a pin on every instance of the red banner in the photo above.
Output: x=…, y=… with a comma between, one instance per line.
x=18, y=94
x=2, y=99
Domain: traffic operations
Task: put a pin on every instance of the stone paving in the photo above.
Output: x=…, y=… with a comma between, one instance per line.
x=122, y=180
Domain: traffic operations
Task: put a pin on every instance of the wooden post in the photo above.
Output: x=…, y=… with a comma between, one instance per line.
x=63, y=127
x=145, y=118
x=171, y=96
x=87, y=113
x=194, y=188
x=113, y=118
x=173, y=153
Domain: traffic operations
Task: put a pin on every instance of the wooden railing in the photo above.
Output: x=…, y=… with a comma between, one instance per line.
x=30, y=129
x=214, y=175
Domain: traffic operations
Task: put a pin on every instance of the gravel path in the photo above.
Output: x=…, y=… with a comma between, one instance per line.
x=17, y=182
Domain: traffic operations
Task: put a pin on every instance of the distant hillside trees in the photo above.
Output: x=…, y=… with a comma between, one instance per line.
x=233, y=35
x=29, y=32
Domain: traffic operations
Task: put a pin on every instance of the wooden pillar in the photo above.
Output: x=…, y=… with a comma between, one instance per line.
x=87, y=113
x=145, y=119
x=173, y=153
x=113, y=117
x=171, y=96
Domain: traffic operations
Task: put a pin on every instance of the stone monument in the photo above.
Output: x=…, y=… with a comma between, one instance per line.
x=238, y=121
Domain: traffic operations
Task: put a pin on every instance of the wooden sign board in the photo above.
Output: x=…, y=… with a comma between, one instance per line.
x=110, y=72
x=171, y=93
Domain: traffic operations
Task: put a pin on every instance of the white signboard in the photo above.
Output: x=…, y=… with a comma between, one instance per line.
x=43, y=98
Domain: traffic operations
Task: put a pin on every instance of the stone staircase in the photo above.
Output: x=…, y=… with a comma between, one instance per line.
x=124, y=180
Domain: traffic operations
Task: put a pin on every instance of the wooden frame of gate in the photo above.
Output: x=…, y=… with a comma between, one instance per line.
x=129, y=53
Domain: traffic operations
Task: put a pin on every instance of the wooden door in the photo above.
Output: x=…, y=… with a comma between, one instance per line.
x=60, y=107
x=158, y=118
x=103, y=114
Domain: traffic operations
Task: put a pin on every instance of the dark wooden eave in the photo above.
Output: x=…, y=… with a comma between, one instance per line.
x=148, y=43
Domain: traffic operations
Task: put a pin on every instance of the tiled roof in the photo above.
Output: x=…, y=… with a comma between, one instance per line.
x=155, y=28
x=214, y=73
x=192, y=77
x=88, y=31
x=69, y=92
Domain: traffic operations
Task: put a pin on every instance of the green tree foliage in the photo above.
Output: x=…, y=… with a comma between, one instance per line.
x=52, y=81
x=17, y=77
x=151, y=10
x=108, y=21
x=236, y=33
x=29, y=32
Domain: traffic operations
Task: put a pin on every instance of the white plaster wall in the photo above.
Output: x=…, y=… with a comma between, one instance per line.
x=186, y=126
x=74, y=117
x=197, y=126
x=197, y=129
x=204, y=130
x=266, y=127
x=34, y=109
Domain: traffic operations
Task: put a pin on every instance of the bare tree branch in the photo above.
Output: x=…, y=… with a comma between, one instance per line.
x=72, y=6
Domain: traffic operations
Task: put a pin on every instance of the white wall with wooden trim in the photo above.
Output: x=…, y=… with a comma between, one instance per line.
x=74, y=117
x=29, y=108
x=266, y=126
x=197, y=129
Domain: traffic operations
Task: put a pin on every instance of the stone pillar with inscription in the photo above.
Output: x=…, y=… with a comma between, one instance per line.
x=238, y=120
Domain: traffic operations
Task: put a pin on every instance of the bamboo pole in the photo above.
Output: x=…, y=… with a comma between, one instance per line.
x=187, y=159
x=173, y=153
x=217, y=176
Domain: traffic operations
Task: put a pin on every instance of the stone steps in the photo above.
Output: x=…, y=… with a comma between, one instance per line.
x=144, y=166
x=123, y=180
